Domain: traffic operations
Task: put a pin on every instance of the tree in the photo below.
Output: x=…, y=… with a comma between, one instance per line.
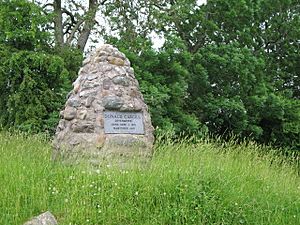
x=242, y=53
x=73, y=22
x=34, y=78
x=163, y=81
x=228, y=82
x=227, y=66
x=23, y=26
x=267, y=27
x=268, y=31
x=131, y=20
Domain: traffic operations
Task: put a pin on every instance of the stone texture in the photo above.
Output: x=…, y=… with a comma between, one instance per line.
x=115, y=61
x=81, y=114
x=87, y=93
x=112, y=102
x=121, y=80
x=73, y=102
x=88, y=102
x=106, y=82
x=82, y=126
x=87, y=85
x=76, y=87
x=92, y=77
x=69, y=113
x=44, y=219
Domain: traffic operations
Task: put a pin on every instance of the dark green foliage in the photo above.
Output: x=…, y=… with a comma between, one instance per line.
x=72, y=58
x=33, y=86
x=163, y=81
x=229, y=93
x=227, y=82
x=33, y=89
x=280, y=120
x=34, y=79
x=269, y=28
x=230, y=65
x=23, y=25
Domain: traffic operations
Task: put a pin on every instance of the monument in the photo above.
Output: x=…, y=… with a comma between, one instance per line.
x=105, y=116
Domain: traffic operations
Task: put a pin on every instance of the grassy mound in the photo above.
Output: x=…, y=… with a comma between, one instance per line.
x=184, y=184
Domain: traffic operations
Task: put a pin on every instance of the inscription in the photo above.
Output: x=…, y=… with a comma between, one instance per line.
x=123, y=122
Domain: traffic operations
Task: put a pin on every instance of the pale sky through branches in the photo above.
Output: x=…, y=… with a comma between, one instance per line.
x=157, y=40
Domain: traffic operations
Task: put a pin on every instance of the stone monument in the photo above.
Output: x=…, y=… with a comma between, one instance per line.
x=105, y=116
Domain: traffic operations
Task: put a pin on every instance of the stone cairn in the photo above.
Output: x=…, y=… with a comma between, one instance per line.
x=105, y=84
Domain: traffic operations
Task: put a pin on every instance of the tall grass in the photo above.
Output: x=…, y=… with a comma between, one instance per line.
x=183, y=184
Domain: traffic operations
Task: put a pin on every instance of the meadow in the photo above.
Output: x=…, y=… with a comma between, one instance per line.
x=199, y=182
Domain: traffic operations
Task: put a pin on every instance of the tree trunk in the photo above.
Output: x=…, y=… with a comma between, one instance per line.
x=88, y=25
x=58, y=31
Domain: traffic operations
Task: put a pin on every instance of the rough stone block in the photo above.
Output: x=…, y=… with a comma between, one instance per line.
x=112, y=102
x=44, y=219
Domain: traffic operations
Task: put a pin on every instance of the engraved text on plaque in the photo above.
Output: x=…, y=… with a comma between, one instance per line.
x=123, y=122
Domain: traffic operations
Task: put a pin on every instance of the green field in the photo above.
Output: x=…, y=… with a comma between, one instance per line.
x=185, y=183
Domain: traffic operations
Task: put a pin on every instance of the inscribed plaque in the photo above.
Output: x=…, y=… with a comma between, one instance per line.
x=123, y=122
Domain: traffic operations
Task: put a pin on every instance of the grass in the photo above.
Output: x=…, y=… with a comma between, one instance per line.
x=184, y=184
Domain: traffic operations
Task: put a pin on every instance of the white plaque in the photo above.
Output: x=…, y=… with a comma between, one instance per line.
x=123, y=122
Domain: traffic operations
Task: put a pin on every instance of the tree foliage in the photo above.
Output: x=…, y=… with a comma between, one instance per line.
x=34, y=77
x=163, y=80
x=23, y=26
x=227, y=67
x=242, y=76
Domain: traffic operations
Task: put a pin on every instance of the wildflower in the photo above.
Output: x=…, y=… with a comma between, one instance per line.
x=136, y=193
x=54, y=191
